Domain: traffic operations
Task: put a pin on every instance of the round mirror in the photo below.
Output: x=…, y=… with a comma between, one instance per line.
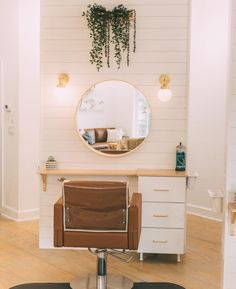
x=113, y=117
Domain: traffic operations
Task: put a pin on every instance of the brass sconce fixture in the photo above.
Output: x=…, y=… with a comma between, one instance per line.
x=63, y=79
x=164, y=93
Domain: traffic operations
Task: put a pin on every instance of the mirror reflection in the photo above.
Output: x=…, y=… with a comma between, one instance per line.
x=113, y=117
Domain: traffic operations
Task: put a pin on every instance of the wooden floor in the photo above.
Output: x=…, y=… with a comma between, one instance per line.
x=22, y=262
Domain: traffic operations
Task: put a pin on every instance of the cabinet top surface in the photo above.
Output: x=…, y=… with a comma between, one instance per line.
x=114, y=172
x=160, y=173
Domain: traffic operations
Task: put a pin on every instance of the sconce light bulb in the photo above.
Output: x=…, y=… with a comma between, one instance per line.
x=164, y=94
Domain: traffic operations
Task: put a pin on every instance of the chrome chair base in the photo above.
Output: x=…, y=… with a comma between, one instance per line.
x=110, y=281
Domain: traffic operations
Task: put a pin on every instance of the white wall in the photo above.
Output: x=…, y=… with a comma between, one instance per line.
x=9, y=55
x=162, y=47
x=230, y=241
x=1, y=134
x=29, y=106
x=19, y=52
x=208, y=82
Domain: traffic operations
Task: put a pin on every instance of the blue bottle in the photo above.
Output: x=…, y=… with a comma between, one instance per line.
x=180, y=158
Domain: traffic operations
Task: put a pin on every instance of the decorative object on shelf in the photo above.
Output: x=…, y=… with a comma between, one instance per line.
x=164, y=93
x=102, y=23
x=51, y=163
x=63, y=79
x=180, y=157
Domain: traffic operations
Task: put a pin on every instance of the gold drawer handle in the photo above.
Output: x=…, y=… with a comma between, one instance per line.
x=160, y=242
x=161, y=190
x=160, y=216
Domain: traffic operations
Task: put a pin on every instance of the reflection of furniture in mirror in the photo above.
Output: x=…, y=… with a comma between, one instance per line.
x=97, y=214
x=133, y=142
x=113, y=117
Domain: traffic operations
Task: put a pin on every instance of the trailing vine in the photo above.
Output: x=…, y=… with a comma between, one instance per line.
x=97, y=19
x=101, y=24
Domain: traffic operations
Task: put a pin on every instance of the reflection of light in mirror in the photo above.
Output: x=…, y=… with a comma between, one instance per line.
x=92, y=104
x=92, y=101
x=113, y=117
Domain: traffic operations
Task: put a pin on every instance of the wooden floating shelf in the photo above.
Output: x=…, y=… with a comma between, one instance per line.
x=232, y=212
x=107, y=172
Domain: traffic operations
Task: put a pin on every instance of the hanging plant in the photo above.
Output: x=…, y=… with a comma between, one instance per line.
x=121, y=19
x=101, y=24
x=97, y=18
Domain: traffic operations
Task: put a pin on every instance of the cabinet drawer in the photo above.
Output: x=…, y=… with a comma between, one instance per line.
x=165, y=215
x=167, y=241
x=162, y=189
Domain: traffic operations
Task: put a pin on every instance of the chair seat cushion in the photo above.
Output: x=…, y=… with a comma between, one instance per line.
x=100, y=240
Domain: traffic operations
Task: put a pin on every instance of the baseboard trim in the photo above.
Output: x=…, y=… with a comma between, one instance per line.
x=19, y=216
x=204, y=212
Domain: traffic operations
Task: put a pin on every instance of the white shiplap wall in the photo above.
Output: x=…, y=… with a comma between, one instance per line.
x=162, y=47
x=230, y=241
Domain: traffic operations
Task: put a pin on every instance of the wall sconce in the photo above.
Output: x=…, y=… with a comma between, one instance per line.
x=164, y=93
x=63, y=79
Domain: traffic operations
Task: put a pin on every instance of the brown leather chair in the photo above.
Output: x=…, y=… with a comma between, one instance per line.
x=97, y=214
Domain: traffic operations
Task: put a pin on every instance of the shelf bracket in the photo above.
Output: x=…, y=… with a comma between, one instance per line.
x=44, y=182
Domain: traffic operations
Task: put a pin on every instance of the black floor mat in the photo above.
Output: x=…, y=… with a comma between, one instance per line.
x=141, y=285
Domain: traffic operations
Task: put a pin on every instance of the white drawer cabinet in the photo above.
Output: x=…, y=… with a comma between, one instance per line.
x=168, y=241
x=162, y=189
x=163, y=215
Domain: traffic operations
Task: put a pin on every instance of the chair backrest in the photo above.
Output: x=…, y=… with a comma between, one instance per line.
x=95, y=206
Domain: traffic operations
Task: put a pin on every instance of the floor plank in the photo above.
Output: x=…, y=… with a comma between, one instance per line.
x=23, y=262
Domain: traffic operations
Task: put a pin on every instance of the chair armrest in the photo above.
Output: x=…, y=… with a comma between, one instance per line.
x=135, y=218
x=58, y=223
